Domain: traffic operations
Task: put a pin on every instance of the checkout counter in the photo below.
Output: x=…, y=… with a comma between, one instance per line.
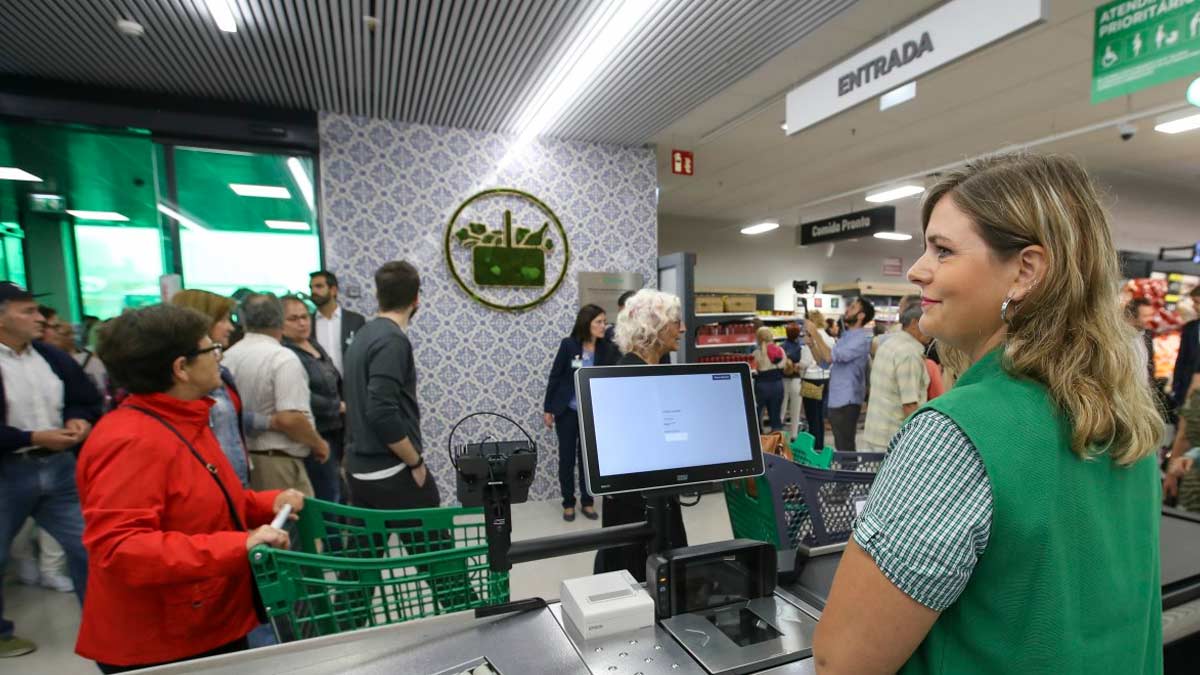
x=542, y=641
x=725, y=608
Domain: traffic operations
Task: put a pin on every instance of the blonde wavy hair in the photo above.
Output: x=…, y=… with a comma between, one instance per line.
x=211, y=305
x=644, y=317
x=764, y=338
x=1067, y=332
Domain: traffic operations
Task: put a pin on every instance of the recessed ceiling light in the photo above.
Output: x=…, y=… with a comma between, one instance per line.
x=1193, y=92
x=109, y=216
x=783, y=126
x=13, y=173
x=894, y=193
x=893, y=236
x=222, y=15
x=1177, y=123
x=294, y=225
x=905, y=92
x=268, y=191
x=760, y=228
x=130, y=28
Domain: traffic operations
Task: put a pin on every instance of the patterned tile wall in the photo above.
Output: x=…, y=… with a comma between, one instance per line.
x=387, y=192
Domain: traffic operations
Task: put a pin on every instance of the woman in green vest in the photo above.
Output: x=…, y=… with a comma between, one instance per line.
x=1014, y=526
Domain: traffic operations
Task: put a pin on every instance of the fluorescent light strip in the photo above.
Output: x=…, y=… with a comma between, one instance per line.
x=1178, y=124
x=905, y=92
x=13, y=173
x=222, y=15
x=592, y=49
x=109, y=216
x=893, y=236
x=760, y=228
x=894, y=193
x=267, y=191
x=183, y=220
x=218, y=151
x=293, y=225
x=302, y=180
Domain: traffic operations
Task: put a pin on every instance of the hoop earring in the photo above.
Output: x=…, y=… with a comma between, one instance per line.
x=1004, y=309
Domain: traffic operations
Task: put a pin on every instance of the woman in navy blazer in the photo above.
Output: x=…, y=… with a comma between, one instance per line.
x=585, y=347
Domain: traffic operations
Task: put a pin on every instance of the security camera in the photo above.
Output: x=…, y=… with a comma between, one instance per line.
x=1127, y=131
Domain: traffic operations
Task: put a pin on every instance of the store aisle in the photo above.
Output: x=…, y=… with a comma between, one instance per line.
x=52, y=619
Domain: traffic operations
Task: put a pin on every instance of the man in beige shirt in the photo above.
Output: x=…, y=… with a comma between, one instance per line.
x=899, y=381
x=272, y=383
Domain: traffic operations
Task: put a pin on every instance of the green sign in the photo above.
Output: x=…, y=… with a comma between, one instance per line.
x=508, y=255
x=1142, y=43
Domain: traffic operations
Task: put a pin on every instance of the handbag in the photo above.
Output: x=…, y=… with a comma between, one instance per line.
x=812, y=390
x=260, y=609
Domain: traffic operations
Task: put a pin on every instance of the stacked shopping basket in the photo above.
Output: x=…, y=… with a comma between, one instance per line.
x=354, y=568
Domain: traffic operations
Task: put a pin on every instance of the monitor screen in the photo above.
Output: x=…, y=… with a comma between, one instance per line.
x=652, y=427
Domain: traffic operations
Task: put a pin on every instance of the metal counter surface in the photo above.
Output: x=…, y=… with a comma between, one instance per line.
x=521, y=644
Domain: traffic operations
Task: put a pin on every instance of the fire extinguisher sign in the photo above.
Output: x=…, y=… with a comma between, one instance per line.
x=682, y=163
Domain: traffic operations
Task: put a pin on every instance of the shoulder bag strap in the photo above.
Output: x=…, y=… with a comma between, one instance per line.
x=208, y=466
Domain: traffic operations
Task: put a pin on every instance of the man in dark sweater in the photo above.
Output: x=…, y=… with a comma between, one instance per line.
x=384, y=466
x=47, y=408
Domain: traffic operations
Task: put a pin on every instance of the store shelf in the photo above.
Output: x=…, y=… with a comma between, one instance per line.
x=725, y=315
x=781, y=318
x=873, y=289
x=732, y=345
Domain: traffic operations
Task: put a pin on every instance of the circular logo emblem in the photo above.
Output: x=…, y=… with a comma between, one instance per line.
x=506, y=249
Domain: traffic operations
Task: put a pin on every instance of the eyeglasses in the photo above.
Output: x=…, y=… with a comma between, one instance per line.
x=216, y=348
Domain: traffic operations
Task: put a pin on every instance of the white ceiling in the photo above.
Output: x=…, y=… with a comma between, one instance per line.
x=1031, y=86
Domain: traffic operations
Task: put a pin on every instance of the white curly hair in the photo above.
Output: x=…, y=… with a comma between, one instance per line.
x=644, y=317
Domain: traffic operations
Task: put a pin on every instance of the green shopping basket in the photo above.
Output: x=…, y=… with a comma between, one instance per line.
x=355, y=568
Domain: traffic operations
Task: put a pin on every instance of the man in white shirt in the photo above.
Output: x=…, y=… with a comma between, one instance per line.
x=272, y=383
x=47, y=407
x=333, y=326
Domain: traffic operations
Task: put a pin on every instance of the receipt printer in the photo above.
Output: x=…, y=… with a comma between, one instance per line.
x=699, y=578
x=604, y=604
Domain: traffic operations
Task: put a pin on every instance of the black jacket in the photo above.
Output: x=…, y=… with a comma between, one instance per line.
x=1188, y=361
x=351, y=323
x=81, y=400
x=560, y=389
x=324, y=385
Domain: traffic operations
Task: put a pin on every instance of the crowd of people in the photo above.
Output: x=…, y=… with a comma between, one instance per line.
x=818, y=374
x=152, y=464
x=156, y=461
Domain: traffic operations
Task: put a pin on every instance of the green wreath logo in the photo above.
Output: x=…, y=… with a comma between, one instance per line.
x=507, y=256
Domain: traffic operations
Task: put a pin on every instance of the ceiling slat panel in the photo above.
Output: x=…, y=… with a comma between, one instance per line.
x=464, y=63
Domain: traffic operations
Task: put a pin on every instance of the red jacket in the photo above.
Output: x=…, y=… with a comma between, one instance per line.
x=168, y=572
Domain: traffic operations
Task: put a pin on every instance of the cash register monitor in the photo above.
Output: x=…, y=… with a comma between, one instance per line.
x=657, y=427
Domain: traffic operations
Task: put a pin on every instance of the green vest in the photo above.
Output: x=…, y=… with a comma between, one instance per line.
x=1069, y=582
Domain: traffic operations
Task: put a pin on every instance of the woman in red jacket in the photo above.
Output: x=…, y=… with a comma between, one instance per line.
x=165, y=516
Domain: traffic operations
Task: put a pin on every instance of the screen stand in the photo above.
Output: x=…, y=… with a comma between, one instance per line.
x=658, y=517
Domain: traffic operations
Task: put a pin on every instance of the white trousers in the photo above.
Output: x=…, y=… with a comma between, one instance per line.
x=792, y=405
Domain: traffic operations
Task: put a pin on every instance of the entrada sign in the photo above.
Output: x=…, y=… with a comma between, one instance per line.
x=878, y=67
x=848, y=226
x=507, y=260
x=949, y=32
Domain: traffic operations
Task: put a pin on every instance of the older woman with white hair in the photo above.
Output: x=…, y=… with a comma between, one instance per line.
x=647, y=330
